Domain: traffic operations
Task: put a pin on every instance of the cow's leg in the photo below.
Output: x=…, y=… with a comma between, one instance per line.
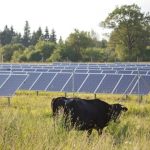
x=67, y=124
x=99, y=132
x=89, y=132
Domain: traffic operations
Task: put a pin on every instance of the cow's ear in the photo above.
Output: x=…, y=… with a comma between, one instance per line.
x=124, y=108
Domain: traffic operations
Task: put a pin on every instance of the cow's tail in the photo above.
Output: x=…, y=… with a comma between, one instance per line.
x=53, y=113
x=52, y=107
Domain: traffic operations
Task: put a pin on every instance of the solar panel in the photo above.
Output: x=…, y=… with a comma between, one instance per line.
x=67, y=70
x=106, y=68
x=108, y=83
x=3, y=78
x=94, y=71
x=54, y=70
x=142, y=85
x=139, y=72
x=18, y=72
x=29, y=69
x=118, y=78
x=43, y=81
x=16, y=69
x=41, y=70
x=118, y=68
x=11, y=85
x=59, y=67
x=81, y=71
x=15, y=66
x=123, y=84
x=5, y=69
x=5, y=72
x=91, y=83
x=70, y=67
x=124, y=72
x=131, y=85
x=32, y=77
x=93, y=67
x=109, y=71
x=74, y=82
x=58, y=82
x=131, y=68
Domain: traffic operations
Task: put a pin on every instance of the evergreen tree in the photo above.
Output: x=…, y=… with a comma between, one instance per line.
x=26, y=37
x=16, y=38
x=53, y=36
x=36, y=36
x=46, y=35
x=60, y=42
x=6, y=36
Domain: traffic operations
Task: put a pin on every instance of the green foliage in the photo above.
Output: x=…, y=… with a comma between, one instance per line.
x=8, y=50
x=55, y=57
x=131, y=30
x=93, y=55
x=18, y=56
x=75, y=44
x=45, y=49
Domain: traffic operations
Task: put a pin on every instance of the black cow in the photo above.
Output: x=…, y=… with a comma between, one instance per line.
x=88, y=114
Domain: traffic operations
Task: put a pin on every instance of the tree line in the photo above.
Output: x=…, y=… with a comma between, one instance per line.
x=128, y=40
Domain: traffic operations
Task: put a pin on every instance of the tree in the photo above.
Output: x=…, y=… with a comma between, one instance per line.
x=131, y=30
x=46, y=48
x=26, y=37
x=6, y=35
x=8, y=50
x=46, y=35
x=53, y=36
x=93, y=55
x=76, y=43
x=16, y=38
x=60, y=41
x=36, y=36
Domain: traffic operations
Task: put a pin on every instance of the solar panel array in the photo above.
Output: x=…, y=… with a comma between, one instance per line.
x=115, y=78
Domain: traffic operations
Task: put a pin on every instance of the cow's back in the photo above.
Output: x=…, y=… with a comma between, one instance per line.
x=88, y=113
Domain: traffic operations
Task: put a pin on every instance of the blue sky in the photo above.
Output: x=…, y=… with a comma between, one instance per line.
x=62, y=15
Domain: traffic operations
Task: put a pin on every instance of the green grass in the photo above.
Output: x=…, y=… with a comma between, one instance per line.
x=27, y=125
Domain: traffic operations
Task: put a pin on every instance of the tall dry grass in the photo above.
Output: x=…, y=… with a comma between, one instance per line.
x=27, y=124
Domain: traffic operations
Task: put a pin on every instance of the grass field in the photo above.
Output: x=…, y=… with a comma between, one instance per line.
x=27, y=125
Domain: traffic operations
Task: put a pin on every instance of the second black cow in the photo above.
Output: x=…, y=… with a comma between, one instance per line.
x=85, y=114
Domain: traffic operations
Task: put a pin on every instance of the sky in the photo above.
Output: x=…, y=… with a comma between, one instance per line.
x=61, y=15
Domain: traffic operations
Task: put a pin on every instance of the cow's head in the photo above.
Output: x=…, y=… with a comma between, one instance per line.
x=58, y=104
x=116, y=110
